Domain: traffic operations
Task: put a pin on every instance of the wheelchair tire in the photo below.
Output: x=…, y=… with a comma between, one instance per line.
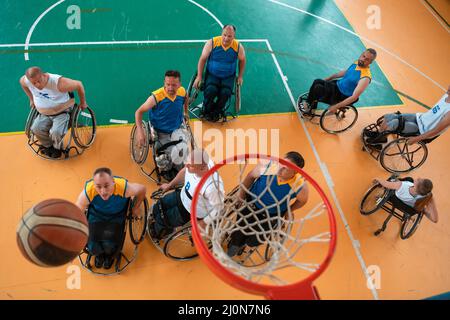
x=138, y=227
x=409, y=226
x=192, y=92
x=182, y=237
x=337, y=123
x=237, y=101
x=84, y=127
x=139, y=154
x=374, y=199
x=399, y=157
x=30, y=119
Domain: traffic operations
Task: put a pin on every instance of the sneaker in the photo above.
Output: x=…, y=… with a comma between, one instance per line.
x=371, y=134
x=305, y=107
x=377, y=146
x=45, y=151
x=109, y=260
x=55, y=153
x=234, y=250
x=377, y=140
x=99, y=260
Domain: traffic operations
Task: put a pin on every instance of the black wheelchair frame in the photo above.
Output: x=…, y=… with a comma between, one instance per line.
x=196, y=110
x=170, y=244
x=378, y=197
x=409, y=157
x=140, y=155
x=76, y=127
x=326, y=118
x=136, y=228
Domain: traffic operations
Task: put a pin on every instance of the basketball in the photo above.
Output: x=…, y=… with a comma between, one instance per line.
x=52, y=233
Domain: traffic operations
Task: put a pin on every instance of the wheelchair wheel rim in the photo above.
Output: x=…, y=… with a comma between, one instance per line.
x=139, y=154
x=410, y=225
x=373, y=200
x=398, y=156
x=84, y=127
x=138, y=226
x=339, y=122
x=180, y=245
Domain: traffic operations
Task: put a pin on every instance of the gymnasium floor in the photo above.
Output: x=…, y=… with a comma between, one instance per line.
x=121, y=52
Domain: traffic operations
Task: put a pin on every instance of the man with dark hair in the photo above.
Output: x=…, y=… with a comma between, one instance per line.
x=51, y=95
x=166, y=108
x=106, y=197
x=220, y=54
x=410, y=193
x=269, y=194
x=345, y=91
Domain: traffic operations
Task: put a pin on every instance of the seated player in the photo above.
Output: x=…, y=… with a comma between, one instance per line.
x=49, y=94
x=107, y=197
x=411, y=193
x=421, y=126
x=176, y=205
x=345, y=91
x=285, y=186
x=165, y=108
x=220, y=55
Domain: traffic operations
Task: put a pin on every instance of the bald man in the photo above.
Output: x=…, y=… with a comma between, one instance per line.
x=221, y=54
x=51, y=95
x=176, y=205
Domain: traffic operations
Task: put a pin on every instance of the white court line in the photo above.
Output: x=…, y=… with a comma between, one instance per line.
x=326, y=174
x=30, y=32
x=361, y=37
x=118, y=121
x=208, y=12
x=87, y=43
x=435, y=16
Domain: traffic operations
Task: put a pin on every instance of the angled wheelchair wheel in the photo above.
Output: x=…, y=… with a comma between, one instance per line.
x=374, y=199
x=180, y=245
x=192, y=92
x=409, y=226
x=399, y=157
x=139, y=153
x=237, y=99
x=30, y=119
x=83, y=127
x=340, y=121
x=138, y=225
x=305, y=111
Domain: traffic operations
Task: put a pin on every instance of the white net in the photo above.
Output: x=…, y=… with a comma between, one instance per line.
x=272, y=229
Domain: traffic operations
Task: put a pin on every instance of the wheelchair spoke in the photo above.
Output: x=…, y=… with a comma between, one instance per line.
x=398, y=156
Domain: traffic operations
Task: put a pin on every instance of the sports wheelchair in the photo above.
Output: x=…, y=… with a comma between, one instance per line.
x=378, y=197
x=231, y=109
x=82, y=126
x=395, y=156
x=179, y=244
x=136, y=227
x=252, y=256
x=162, y=164
x=339, y=122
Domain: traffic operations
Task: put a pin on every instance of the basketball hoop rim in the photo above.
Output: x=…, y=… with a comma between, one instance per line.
x=270, y=291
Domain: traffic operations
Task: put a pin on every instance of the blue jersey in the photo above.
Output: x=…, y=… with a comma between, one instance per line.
x=167, y=115
x=354, y=73
x=281, y=192
x=222, y=62
x=111, y=210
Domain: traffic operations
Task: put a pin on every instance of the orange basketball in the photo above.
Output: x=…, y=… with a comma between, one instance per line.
x=52, y=233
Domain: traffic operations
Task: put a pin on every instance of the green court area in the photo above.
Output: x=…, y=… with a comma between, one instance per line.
x=122, y=50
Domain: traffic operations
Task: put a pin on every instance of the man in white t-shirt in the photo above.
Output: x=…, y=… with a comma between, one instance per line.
x=50, y=95
x=425, y=125
x=173, y=210
x=410, y=192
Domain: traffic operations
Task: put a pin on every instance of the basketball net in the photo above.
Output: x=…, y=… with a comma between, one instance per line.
x=273, y=265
